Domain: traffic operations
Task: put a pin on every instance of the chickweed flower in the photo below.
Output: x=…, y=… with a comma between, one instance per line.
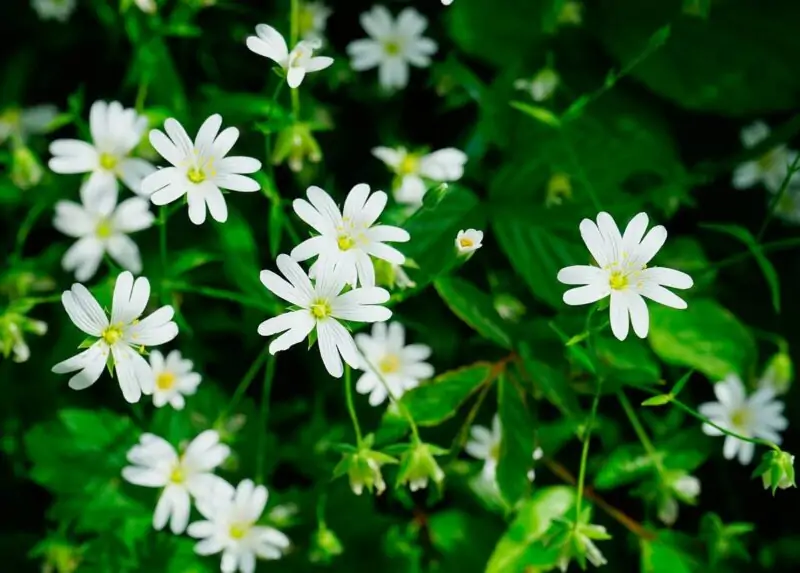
x=757, y=416
x=199, y=169
x=770, y=169
x=269, y=43
x=776, y=470
x=542, y=86
x=469, y=241
x=622, y=273
x=393, y=45
x=120, y=339
x=413, y=170
x=174, y=379
x=22, y=123
x=418, y=466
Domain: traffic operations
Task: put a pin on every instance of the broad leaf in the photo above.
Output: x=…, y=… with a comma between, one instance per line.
x=432, y=403
x=517, y=443
x=474, y=307
x=550, y=382
x=624, y=465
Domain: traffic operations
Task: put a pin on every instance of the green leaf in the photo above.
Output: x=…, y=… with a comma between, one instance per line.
x=630, y=362
x=518, y=548
x=517, y=443
x=767, y=269
x=659, y=400
x=734, y=51
x=433, y=229
x=626, y=464
x=188, y=260
x=241, y=255
x=551, y=382
x=432, y=403
x=275, y=226
x=538, y=113
x=706, y=337
x=664, y=556
x=474, y=307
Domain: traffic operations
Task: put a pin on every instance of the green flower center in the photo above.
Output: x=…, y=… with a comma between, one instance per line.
x=104, y=229
x=320, y=309
x=196, y=175
x=391, y=47
x=111, y=334
x=740, y=418
x=108, y=161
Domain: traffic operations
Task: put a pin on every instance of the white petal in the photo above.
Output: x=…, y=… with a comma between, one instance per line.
x=393, y=73
x=130, y=298
x=365, y=54
x=133, y=171
x=154, y=330
x=668, y=277
x=295, y=76
x=269, y=43
x=662, y=296
x=72, y=219
x=634, y=233
x=640, y=318
x=204, y=141
x=302, y=325
x=132, y=215
x=444, y=165
x=236, y=164
x=125, y=252
x=236, y=182
x=651, y=244
x=166, y=148
x=84, y=311
x=72, y=156
x=593, y=240
x=84, y=258
x=145, y=477
x=582, y=275
x=389, y=156
x=378, y=22
x=586, y=294
x=410, y=22
x=326, y=340
x=619, y=315
x=197, y=208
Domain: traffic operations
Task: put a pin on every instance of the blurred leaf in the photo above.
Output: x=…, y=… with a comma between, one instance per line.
x=241, y=259
x=552, y=383
x=769, y=272
x=436, y=401
x=474, y=307
x=541, y=114
x=517, y=443
x=630, y=362
x=706, y=337
x=660, y=556
x=187, y=260
x=518, y=548
x=626, y=464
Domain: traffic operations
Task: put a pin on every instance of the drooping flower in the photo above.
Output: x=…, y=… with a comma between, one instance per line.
x=623, y=274
x=776, y=470
x=770, y=169
x=677, y=485
x=542, y=86
x=392, y=45
x=230, y=528
x=22, y=123
x=200, y=169
x=59, y=10
x=484, y=444
x=469, y=241
x=101, y=226
x=174, y=379
x=12, y=327
x=182, y=477
x=269, y=43
x=321, y=305
x=418, y=466
x=413, y=169
x=115, y=132
x=347, y=239
x=384, y=354
x=757, y=416
x=121, y=338
x=313, y=21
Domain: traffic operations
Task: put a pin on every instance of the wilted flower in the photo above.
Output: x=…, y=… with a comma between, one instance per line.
x=325, y=545
x=770, y=169
x=13, y=325
x=18, y=123
x=559, y=188
x=677, y=485
x=26, y=170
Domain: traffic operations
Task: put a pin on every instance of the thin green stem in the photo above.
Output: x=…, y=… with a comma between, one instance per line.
x=25, y=229
x=641, y=433
x=793, y=168
x=221, y=294
x=587, y=184
x=725, y=431
x=244, y=384
x=43, y=300
x=295, y=23
x=269, y=374
x=766, y=247
x=162, y=247
x=585, y=452
x=351, y=407
x=296, y=104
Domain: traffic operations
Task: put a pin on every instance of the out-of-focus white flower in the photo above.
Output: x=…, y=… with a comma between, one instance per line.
x=23, y=123
x=12, y=327
x=679, y=486
x=320, y=306
x=174, y=379
x=623, y=274
x=59, y=10
x=386, y=355
x=413, y=169
x=770, y=169
x=313, y=21
x=392, y=45
x=542, y=86
x=189, y=475
x=115, y=132
x=121, y=337
x=469, y=241
x=269, y=43
x=757, y=416
x=348, y=238
x=230, y=528
x=778, y=374
x=146, y=6
x=199, y=170
x=101, y=226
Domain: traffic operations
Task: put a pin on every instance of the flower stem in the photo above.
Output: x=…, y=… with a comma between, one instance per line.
x=793, y=168
x=351, y=407
x=640, y=431
x=162, y=245
x=585, y=452
x=269, y=374
x=295, y=23
x=244, y=384
x=221, y=294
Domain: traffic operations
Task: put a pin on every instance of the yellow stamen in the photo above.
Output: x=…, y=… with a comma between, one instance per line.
x=409, y=165
x=618, y=280
x=391, y=48
x=466, y=242
x=111, y=334
x=238, y=530
x=196, y=175
x=740, y=418
x=104, y=229
x=108, y=161
x=165, y=380
x=320, y=309
x=177, y=475
x=345, y=242
x=389, y=364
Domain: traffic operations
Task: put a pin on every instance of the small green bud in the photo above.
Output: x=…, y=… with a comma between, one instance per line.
x=559, y=188
x=363, y=468
x=776, y=470
x=508, y=307
x=12, y=328
x=324, y=545
x=575, y=540
x=418, y=466
x=26, y=171
x=778, y=374
x=295, y=144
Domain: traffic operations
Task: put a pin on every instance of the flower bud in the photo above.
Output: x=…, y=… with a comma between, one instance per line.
x=508, y=307
x=559, y=188
x=575, y=540
x=418, y=467
x=324, y=545
x=571, y=13
x=776, y=470
x=296, y=143
x=12, y=342
x=26, y=171
x=778, y=373
x=542, y=86
x=363, y=468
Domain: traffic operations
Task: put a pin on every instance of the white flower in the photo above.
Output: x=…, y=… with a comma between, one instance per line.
x=347, y=239
x=769, y=169
x=447, y=2
x=757, y=416
x=542, y=86
x=25, y=122
x=200, y=169
x=230, y=528
x=385, y=354
x=59, y=10
x=101, y=226
x=115, y=132
x=401, y=278
x=622, y=273
x=681, y=485
x=469, y=241
x=122, y=336
x=392, y=45
x=538, y=454
x=269, y=43
x=444, y=165
x=484, y=444
x=146, y=6
x=174, y=379
x=189, y=475
x=313, y=20
x=320, y=305
x=788, y=206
